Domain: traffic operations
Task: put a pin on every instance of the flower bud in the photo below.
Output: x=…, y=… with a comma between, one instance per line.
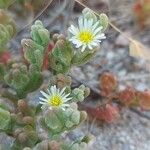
x=22, y=137
x=22, y=105
x=28, y=120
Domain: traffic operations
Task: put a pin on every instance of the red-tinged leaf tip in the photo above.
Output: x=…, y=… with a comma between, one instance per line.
x=4, y=57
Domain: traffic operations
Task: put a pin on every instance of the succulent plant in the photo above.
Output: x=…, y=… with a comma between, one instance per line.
x=57, y=120
x=7, y=28
x=57, y=111
x=22, y=79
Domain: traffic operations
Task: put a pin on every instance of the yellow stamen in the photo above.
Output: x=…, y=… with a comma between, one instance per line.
x=55, y=101
x=85, y=36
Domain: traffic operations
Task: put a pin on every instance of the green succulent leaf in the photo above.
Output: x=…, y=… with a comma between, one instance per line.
x=104, y=21
x=81, y=58
x=5, y=119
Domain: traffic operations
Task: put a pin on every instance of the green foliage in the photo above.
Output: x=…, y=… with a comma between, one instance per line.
x=63, y=56
x=25, y=77
x=60, y=57
x=5, y=3
x=104, y=21
x=57, y=120
x=5, y=119
x=7, y=28
x=81, y=58
x=33, y=52
x=39, y=34
x=79, y=94
x=80, y=144
x=88, y=13
x=26, y=137
x=61, y=81
x=34, y=49
x=2, y=71
x=22, y=79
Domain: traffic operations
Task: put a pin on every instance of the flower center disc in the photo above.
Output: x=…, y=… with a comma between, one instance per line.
x=55, y=101
x=85, y=36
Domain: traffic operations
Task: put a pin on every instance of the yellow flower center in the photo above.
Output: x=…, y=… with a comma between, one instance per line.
x=55, y=100
x=85, y=36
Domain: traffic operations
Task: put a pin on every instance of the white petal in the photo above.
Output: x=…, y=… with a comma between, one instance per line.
x=76, y=42
x=67, y=99
x=90, y=23
x=97, y=41
x=83, y=48
x=95, y=26
x=65, y=105
x=97, y=30
x=44, y=94
x=80, y=22
x=94, y=43
x=100, y=36
x=89, y=46
x=53, y=90
x=73, y=30
x=42, y=103
x=66, y=95
x=43, y=99
x=85, y=23
x=62, y=91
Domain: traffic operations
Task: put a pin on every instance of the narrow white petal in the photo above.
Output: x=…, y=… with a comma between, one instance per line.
x=44, y=94
x=83, y=48
x=94, y=43
x=74, y=30
x=85, y=23
x=62, y=91
x=53, y=90
x=65, y=105
x=89, y=46
x=95, y=26
x=80, y=22
x=96, y=31
x=43, y=99
x=97, y=41
x=67, y=99
x=90, y=23
x=42, y=103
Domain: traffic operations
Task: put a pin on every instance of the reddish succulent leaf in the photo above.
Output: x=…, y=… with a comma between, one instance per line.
x=107, y=113
x=110, y=113
x=127, y=96
x=144, y=100
x=108, y=82
x=142, y=9
x=46, y=61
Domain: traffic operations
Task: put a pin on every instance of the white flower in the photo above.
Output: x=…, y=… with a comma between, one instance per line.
x=55, y=97
x=87, y=35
